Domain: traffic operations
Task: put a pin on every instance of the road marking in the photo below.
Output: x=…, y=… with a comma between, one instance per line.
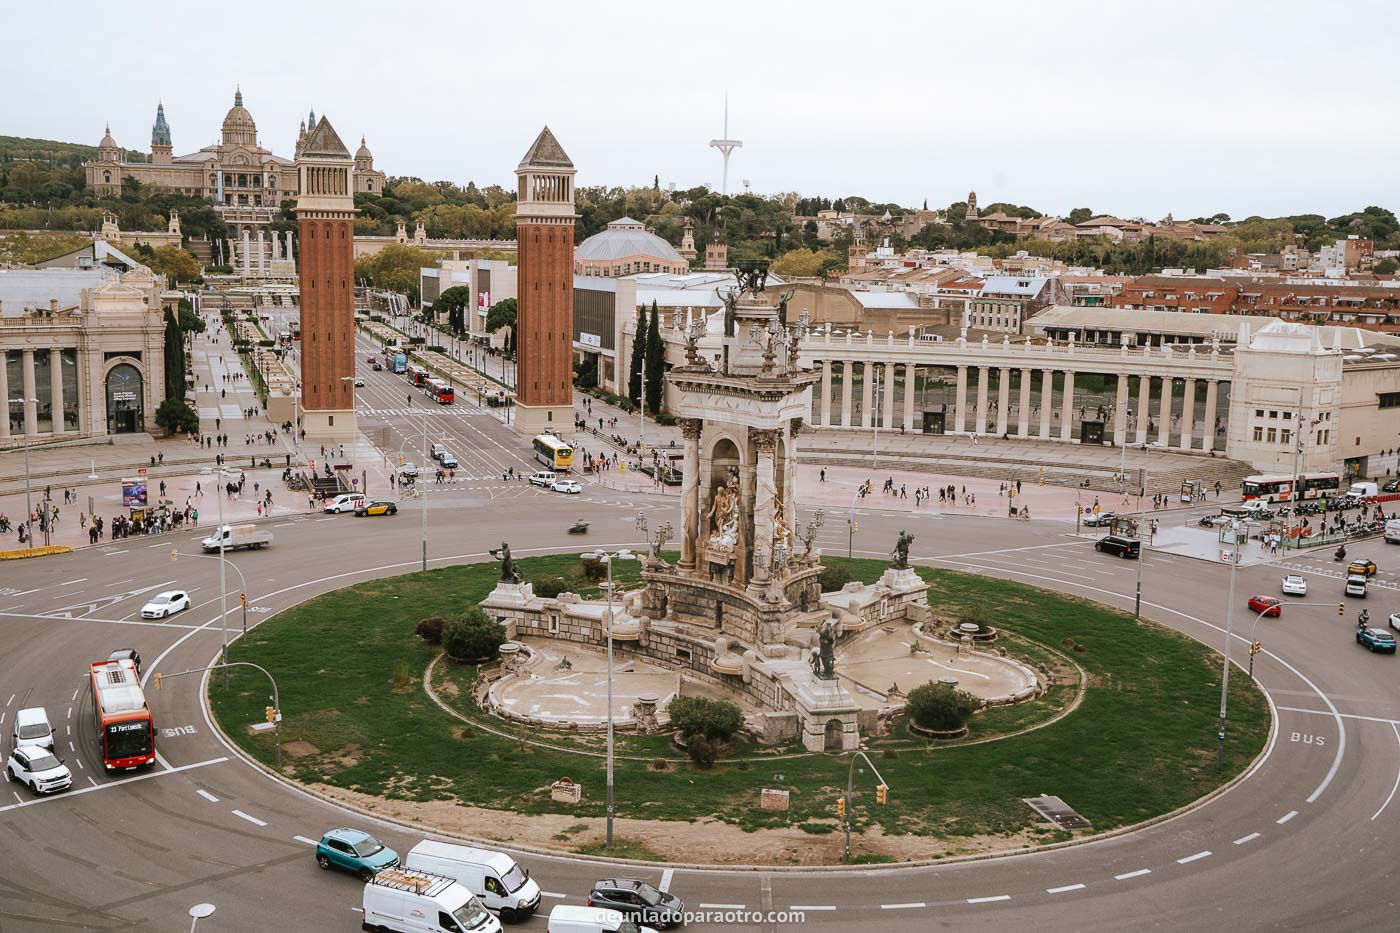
x=206, y=795
x=1323, y=712
x=110, y=784
x=79, y=761
x=812, y=907
x=1132, y=874
x=914, y=906
x=701, y=906
x=70, y=713
x=1243, y=839
x=1193, y=858
x=71, y=582
x=17, y=796
x=11, y=699
x=1396, y=785
x=251, y=819
x=1062, y=889
x=114, y=553
x=666, y=879
x=74, y=697
x=331, y=519
x=988, y=900
x=92, y=781
x=71, y=748
x=310, y=842
x=1286, y=817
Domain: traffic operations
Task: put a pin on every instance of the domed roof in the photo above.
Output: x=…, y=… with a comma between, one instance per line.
x=107, y=141
x=362, y=152
x=626, y=237
x=238, y=123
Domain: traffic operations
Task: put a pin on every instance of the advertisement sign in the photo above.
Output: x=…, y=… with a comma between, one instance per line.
x=590, y=340
x=483, y=300
x=134, y=493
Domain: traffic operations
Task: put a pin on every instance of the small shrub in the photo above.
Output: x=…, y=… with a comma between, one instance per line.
x=714, y=719
x=473, y=636
x=702, y=751
x=400, y=677
x=660, y=764
x=889, y=754
x=550, y=587
x=594, y=570
x=1078, y=649
x=435, y=348
x=833, y=578
x=430, y=629
x=742, y=766
x=665, y=418
x=941, y=707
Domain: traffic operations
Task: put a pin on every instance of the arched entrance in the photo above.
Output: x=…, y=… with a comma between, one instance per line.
x=126, y=408
x=832, y=741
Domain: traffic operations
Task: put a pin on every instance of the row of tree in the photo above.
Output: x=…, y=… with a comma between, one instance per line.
x=649, y=358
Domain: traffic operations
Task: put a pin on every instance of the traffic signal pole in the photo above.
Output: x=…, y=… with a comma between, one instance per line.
x=274, y=712
x=881, y=792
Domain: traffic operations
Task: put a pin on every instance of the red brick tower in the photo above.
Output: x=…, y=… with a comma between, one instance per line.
x=544, y=229
x=326, y=217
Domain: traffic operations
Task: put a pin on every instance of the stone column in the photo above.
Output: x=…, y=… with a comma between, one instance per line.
x=1023, y=417
x=909, y=381
x=290, y=254
x=867, y=395
x=889, y=396
x=4, y=395
x=982, y=373
x=848, y=370
x=276, y=246
x=690, y=487
x=1208, y=426
x=764, y=441
x=262, y=254
x=1188, y=413
x=31, y=407
x=1120, y=412
x=1047, y=400
x=1144, y=399
x=1003, y=398
x=826, y=393
x=247, y=255
x=56, y=387
x=1067, y=408
x=960, y=414
x=1164, y=412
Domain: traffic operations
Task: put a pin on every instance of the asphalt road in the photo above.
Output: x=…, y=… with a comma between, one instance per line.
x=1305, y=843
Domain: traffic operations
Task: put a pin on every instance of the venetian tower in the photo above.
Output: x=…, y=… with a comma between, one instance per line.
x=544, y=224
x=326, y=227
x=160, y=138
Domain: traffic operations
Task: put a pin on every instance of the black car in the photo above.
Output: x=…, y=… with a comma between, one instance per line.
x=638, y=901
x=1117, y=544
x=126, y=654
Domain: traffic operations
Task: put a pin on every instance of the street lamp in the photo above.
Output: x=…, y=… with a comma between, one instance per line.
x=875, y=419
x=1142, y=554
x=1234, y=554
x=198, y=912
x=422, y=491
x=28, y=505
x=606, y=558
x=881, y=791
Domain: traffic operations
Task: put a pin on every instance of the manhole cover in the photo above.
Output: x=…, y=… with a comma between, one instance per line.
x=1057, y=811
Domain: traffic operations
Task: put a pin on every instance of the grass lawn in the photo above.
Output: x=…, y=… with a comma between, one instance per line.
x=1141, y=743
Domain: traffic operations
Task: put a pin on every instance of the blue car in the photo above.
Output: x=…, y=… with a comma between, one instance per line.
x=354, y=851
x=1376, y=639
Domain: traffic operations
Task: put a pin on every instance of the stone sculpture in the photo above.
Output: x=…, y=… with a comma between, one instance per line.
x=509, y=573
x=900, y=554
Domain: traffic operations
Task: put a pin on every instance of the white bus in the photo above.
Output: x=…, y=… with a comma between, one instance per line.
x=1278, y=487
x=553, y=453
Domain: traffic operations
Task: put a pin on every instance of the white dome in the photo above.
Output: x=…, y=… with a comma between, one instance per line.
x=624, y=238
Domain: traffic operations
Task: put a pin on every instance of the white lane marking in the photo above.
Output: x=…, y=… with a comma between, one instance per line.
x=1323, y=712
x=11, y=699
x=110, y=784
x=1193, y=858
x=701, y=906
x=206, y=795
x=71, y=582
x=49, y=616
x=812, y=907
x=79, y=761
x=988, y=900
x=914, y=906
x=114, y=553
x=1063, y=888
x=70, y=713
x=251, y=819
x=17, y=796
x=74, y=697
x=666, y=879
x=284, y=525
x=1243, y=839
x=1132, y=874
x=331, y=519
x=149, y=546
x=1286, y=817
x=92, y=781
x=27, y=592
x=1396, y=785
x=310, y=842
x=71, y=748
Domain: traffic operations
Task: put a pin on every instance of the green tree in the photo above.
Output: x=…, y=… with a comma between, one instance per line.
x=396, y=267
x=956, y=212
x=1079, y=215
x=175, y=263
x=802, y=262
x=502, y=314
x=655, y=362
x=472, y=636
x=1386, y=266
x=941, y=707
x=177, y=417
x=454, y=301
x=714, y=719
x=190, y=323
x=174, y=358
x=638, y=360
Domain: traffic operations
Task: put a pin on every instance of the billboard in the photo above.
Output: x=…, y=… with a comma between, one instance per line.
x=134, y=493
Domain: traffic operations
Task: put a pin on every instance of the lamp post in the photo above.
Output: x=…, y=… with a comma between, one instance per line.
x=606, y=558
x=1142, y=554
x=850, y=785
x=28, y=504
x=1234, y=553
x=242, y=580
x=422, y=491
x=198, y=912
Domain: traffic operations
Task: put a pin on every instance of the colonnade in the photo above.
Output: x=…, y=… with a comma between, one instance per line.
x=29, y=401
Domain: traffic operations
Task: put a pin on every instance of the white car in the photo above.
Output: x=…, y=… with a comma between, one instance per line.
x=39, y=770
x=165, y=604
x=345, y=502
x=359, y=382
x=409, y=469
x=1295, y=585
x=32, y=729
x=567, y=485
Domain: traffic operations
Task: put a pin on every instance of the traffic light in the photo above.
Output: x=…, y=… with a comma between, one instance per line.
x=174, y=553
x=157, y=680
x=882, y=793
x=855, y=527
x=270, y=714
x=243, y=600
x=1341, y=609
x=1256, y=648
x=840, y=806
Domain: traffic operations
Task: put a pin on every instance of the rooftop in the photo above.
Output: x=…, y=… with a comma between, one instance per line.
x=34, y=288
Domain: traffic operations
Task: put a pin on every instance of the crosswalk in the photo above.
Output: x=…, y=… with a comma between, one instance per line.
x=457, y=410
x=1334, y=570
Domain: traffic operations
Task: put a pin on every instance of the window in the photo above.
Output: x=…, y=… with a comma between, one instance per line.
x=1258, y=434
x=1258, y=412
x=1285, y=436
x=1273, y=435
x=1388, y=400
x=1273, y=414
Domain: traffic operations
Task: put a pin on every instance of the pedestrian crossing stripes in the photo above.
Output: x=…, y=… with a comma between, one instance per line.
x=457, y=410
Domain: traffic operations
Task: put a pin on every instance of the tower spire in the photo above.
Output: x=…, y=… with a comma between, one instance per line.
x=726, y=146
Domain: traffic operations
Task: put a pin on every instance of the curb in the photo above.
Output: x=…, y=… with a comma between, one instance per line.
x=49, y=551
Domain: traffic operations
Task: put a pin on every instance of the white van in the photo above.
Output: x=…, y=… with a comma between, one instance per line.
x=1392, y=531
x=345, y=502
x=494, y=877
x=32, y=728
x=568, y=919
x=1364, y=490
x=419, y=902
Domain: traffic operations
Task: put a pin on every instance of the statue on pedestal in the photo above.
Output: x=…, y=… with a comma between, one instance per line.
x=824, y=656
x=509, y=573
x=900, y=554
x=724, y=516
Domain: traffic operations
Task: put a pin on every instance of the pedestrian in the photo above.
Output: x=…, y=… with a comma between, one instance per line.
x=823, y=479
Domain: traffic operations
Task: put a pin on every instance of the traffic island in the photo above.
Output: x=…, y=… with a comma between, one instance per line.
x=1124, y=733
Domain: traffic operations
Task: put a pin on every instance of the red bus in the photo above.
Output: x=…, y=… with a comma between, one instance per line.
x=125, y=731
x=441, y=391
x=417, y=376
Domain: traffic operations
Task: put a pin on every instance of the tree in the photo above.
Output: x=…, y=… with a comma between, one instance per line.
x=473, y=636
x=1079, y=215
x=1386, y=266
x=717, y=720
x=502, y=314
x=176, y=264
x=190, y=323
x=634, y=369
x=956, y=212
x=455, y=301
x=655, y=361
x=174, y=358
x=802, y=263
x=941, y=707
x=396, y=267
x=177, y=417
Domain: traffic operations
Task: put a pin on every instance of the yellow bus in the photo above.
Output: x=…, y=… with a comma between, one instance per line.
x=553, y=453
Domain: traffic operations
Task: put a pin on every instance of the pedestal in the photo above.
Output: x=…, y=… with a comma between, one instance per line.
x=510, y=595
x=829, y=714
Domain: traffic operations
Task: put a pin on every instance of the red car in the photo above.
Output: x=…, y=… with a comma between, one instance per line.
x=1267, y=605
x=369, y=360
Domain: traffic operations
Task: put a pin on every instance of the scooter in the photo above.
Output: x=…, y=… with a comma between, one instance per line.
x=578, y=528
x=1340, y=555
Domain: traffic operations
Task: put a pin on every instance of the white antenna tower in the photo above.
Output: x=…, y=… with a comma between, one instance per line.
x=726, y=146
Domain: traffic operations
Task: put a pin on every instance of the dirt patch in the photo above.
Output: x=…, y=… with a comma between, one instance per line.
x=449, y=688
x=703, y=841
x=348, y=756
x=299, y=749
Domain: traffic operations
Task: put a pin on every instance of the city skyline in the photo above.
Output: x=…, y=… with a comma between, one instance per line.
x=1235, y=110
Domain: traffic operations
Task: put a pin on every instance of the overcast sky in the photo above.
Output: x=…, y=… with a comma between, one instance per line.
x=1132, y=108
